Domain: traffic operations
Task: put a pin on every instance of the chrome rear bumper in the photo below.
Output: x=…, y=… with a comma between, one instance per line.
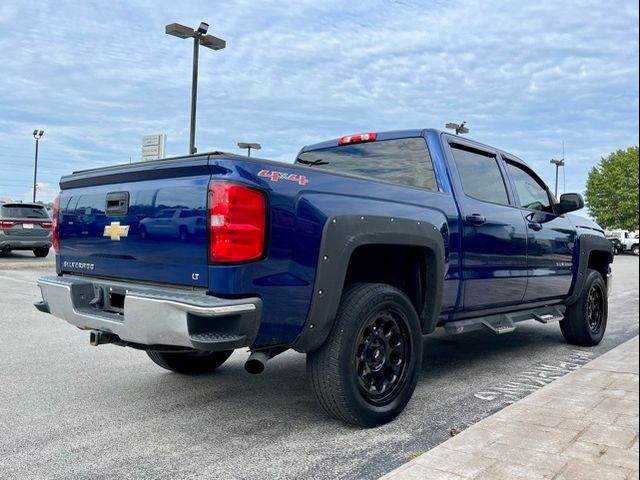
x=152, y=316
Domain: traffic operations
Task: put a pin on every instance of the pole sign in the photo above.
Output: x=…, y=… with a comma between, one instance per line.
x=153, y=147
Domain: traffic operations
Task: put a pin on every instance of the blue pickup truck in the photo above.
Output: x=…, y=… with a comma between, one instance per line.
x=350, y=255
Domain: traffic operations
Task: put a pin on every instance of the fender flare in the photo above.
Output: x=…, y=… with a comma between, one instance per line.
x=342, y=234
x=586, y=245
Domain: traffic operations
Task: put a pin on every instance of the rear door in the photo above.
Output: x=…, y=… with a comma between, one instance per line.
x=494, y=237
x=550, y=238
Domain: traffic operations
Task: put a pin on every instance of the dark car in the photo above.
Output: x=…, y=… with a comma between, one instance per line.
x=25, y=226
x=617, y=245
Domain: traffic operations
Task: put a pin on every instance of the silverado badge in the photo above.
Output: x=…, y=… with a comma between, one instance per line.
x=115, y=231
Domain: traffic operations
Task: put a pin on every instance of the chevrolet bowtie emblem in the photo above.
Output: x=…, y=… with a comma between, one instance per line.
x=115, y=231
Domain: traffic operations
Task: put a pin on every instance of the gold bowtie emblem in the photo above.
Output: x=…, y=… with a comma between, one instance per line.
x=115, y=231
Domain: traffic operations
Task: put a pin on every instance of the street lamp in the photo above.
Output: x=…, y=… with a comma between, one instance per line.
x=458, y=128
x=37, y=134
x=200, y=37
x=558, y=164
x=249, y=146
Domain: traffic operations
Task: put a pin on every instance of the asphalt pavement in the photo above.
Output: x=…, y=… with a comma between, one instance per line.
x=68, y=410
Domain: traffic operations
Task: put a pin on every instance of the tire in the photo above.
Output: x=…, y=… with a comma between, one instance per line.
x=357, y=357
x=586, y=320
x=189, y=363
x=41, y=252
x=635, y=250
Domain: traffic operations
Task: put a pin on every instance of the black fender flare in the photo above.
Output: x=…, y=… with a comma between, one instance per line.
x=586, y=245
x=342, y=234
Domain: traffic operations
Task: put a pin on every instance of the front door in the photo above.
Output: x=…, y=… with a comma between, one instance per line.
x=551, y=238
x=494, y=235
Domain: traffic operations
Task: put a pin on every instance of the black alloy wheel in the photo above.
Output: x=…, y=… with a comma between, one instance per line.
x=585, y=320
x=380, y=357
x=367, y=369
x=595, y=308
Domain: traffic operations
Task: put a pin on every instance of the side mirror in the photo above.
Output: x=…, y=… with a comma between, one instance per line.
x=569, y=202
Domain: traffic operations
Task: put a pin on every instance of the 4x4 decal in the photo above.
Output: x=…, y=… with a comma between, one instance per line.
x=291, y=177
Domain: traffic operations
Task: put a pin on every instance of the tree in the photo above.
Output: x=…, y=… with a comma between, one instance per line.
x=612, y=190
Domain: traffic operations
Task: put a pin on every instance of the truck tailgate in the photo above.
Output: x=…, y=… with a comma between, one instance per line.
x=147, y=230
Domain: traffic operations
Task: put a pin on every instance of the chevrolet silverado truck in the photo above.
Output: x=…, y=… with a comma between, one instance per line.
x=351, y=255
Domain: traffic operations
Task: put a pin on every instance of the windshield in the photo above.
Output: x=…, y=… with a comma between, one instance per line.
x=26, y=211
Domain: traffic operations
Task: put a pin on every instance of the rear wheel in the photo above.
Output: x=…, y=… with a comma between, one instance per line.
x=189, y=363
x=635, y=250
x=586, y=320
x=367, y=370
x=41, y=252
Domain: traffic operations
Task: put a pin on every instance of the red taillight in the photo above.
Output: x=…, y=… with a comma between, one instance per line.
x=358, y=138
x=55, y=227
x=46, y=225
x=6, y=224
x=237, y=223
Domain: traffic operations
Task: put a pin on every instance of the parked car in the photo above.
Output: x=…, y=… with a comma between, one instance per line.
x=25, y=226
x=183, y=223
x=617, y=245
x=350, y=255
x=628, y=240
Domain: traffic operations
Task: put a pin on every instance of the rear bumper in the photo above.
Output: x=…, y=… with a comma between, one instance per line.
x=14, y=242
x=152, y=316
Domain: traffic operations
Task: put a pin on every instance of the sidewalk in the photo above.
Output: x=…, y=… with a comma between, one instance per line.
x=580, y=427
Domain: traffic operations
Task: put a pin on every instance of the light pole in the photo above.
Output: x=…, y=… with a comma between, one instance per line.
x=37, y=134
x=558, y=164
x=458, y=128
x=249, y=146
x=200, y=37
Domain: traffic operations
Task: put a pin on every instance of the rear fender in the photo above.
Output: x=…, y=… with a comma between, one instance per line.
x=341, y=236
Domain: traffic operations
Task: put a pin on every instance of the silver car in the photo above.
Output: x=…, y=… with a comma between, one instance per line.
x=25, y=226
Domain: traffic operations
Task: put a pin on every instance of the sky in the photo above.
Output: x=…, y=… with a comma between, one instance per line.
x=97, y=76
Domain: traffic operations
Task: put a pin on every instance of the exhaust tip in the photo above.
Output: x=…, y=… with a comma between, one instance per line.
x=93, y=339
x=254, y=366
x=256, y=362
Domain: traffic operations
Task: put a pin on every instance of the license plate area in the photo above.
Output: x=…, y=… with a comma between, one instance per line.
x=27, y=226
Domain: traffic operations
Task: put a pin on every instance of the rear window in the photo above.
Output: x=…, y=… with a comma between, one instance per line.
x=23, y=211
x=404, y=161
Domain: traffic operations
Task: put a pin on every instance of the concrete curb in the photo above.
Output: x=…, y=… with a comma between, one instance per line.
x=582, y=426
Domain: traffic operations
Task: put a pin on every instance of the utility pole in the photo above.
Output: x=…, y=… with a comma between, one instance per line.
x=558, y=164
x=200, y=37
x=37, y=134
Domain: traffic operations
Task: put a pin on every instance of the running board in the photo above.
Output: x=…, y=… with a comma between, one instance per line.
x=506, y=322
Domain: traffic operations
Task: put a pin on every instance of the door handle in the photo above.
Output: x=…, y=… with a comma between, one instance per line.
x=535, y=226
x=476, y=219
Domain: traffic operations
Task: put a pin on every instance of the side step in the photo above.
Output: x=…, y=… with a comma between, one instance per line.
x=506, y=322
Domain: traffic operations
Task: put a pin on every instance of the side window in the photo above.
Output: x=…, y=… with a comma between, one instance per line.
x=532, y=194
x=480, y=175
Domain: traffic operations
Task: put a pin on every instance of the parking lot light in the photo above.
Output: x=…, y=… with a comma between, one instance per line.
x=249, y=146
x=37, y=134
x=200, y=37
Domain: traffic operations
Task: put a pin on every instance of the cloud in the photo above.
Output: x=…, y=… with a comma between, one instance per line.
x=97, y=77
